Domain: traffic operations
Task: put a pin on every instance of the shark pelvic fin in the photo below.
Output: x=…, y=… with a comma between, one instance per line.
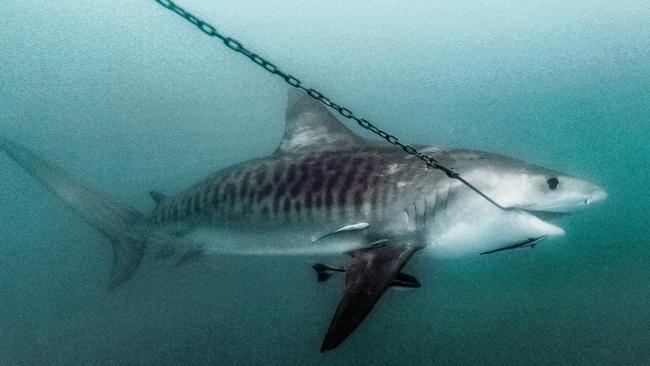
x=348, y=237
x=311, y=127
x=190, y=256
x=324, y=272
x=106, y=214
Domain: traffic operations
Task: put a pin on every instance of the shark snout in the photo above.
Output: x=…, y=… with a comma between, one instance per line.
x=596, y=195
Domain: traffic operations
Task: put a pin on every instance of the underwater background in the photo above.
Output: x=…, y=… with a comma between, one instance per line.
x=131, y=97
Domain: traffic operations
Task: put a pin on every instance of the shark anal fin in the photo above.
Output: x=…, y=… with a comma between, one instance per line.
x=190, y=256
x=350, y=233
x=368, y=273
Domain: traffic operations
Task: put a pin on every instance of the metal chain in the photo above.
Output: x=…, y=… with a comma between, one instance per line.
x=293, y=81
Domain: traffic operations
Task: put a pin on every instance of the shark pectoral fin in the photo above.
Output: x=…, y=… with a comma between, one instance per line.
x=368, y=273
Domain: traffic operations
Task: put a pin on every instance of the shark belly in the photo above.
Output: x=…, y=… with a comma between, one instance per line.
x=470, y=226
x=252, y=236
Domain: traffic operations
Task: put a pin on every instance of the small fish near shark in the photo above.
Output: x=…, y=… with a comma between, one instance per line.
x=327, y=191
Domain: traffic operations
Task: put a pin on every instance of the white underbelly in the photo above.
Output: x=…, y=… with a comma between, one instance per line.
x=467, y=229
x=475, y=230
x=293, y=241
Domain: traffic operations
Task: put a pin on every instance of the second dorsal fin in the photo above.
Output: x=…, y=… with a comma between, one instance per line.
x=310, y=126
x=158, y=197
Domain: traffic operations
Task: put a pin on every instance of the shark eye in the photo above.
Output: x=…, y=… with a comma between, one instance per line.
x=552, y=183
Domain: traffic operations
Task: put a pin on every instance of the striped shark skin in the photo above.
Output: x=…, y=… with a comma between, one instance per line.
x=327, y=191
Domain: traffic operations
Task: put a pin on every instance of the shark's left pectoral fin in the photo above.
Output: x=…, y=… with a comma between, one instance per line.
x=368, y=273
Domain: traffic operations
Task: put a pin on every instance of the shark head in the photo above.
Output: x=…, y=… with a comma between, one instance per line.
x=533, y=193
x=516, y=184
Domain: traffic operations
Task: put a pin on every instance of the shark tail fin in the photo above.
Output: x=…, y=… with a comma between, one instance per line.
x=112, y=218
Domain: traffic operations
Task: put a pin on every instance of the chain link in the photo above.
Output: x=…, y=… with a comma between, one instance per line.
x=293, y=81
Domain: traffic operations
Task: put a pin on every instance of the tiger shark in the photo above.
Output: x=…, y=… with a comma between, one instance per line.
x=328, y=191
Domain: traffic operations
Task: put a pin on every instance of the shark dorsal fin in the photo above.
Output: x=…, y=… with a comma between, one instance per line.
x=310, y=126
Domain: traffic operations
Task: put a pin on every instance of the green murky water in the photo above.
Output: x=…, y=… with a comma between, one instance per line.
x=130, y=97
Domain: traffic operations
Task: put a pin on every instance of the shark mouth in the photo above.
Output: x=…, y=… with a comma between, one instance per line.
x=546, y=215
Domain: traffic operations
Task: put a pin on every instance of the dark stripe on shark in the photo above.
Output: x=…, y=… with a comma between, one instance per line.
x=278, y=171
x=375, y=183
x=346, y=186
x=260, y=175
x=215, y=195
x=197, y=202
x=360, y=186
x=337, y=168
x=291, y=174
x=329, y=191
x=303, y=179
x=243, y=188
x=206, y=193
x=173, y=211
x=313, y=197
x=264, y=192
x=279, y=195
x=314, y=186
x=230, y=194
x=286, y=208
